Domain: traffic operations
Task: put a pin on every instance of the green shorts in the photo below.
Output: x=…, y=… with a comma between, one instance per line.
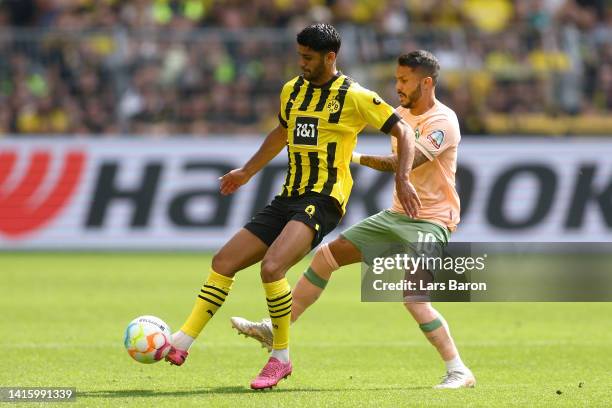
x=384, y=232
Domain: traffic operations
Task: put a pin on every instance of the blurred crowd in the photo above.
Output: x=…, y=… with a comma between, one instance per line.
x=176, y=67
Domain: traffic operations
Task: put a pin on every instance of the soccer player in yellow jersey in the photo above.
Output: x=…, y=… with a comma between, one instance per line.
x=437, y=137
x=321, y=113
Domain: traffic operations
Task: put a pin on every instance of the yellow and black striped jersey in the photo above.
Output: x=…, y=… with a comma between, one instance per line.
x=322, y=125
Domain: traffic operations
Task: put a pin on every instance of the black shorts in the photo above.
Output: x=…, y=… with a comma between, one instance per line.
x=320, y=212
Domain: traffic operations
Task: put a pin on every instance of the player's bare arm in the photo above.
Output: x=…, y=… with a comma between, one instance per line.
x=405, y=157
x=389, y=162
x=269, y=149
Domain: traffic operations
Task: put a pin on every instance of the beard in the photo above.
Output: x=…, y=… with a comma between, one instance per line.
x=314, y=74
x=412, y=98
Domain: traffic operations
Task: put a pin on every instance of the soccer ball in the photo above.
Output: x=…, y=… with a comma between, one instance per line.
x=147, y=339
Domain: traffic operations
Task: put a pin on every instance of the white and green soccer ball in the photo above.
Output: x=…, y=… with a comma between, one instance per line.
x=147, y=339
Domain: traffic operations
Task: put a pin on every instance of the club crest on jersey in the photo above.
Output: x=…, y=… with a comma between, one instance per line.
x=333, y=106
x=436, y=138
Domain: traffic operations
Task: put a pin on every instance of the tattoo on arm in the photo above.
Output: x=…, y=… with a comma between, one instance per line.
x=389, y=163
x=380, y=163
x=419, y=158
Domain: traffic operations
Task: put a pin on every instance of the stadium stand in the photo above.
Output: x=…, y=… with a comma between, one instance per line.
x=200, y=67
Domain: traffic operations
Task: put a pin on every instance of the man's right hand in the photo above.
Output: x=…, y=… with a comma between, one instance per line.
x=231, y=181
x=408, y=197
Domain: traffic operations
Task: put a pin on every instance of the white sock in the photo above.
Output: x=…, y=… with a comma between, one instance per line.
x=182, y=341
x=282, y=355
x=455, y=365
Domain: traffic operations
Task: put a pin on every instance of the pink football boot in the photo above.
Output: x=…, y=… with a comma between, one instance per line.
x=274, y=371
x=176, y=357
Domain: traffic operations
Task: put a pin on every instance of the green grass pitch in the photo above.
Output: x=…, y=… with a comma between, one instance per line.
x=63, y=317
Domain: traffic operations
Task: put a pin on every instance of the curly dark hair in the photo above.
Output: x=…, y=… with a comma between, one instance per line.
x=422, y=60
x=320, y=37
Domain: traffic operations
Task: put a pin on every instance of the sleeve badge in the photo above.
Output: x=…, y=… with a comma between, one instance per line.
x=436, y=138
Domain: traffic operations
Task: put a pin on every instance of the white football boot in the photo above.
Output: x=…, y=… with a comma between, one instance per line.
x=457, y=379
x=260, y=331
